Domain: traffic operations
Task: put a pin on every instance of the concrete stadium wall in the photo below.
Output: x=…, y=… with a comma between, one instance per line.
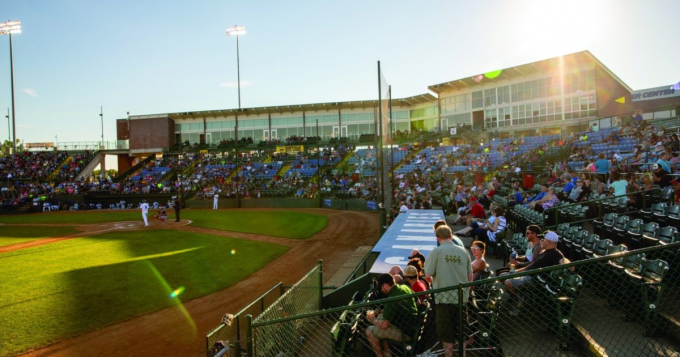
x=208, y=204
x=279, y=203
x=134, y=199
x=354, y=205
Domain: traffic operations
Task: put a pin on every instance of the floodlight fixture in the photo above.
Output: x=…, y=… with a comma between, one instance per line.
x=237, y=31
x=10, y=28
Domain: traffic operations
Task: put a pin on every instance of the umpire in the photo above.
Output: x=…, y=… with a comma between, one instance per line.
x=177, y=208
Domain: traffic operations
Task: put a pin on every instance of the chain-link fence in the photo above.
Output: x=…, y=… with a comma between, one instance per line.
x=233, y=327
x=305, y=296
x=609, y=301
x=302, y=298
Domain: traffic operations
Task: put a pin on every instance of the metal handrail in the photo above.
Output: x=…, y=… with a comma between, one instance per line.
x=599, y=200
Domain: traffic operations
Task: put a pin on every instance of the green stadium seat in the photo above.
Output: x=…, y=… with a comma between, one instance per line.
x=648, y=236
x=651, y=286
x=671, y=216
x=618, y=234
x=577, y=244
x=587, y=246
x=598, y=224
x=608, y=231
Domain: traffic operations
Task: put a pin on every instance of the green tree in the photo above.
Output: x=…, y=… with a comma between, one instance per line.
x=5, y=148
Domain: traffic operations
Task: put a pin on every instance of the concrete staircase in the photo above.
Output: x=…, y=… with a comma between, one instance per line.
x=344, y=160
x=86, y=172
x=412, y=154
x=232, y=174
x=284, y=169
x=52, y=176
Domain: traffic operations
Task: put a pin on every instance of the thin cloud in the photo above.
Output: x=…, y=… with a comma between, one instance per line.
x=31, y=92
x=234, y=84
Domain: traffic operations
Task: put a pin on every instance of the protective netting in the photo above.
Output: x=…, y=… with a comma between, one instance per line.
x=608, y=301
x=304, y=297
x=385, y=139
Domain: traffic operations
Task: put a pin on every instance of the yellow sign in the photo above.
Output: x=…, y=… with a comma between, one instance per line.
x=446, y=141
x=621, y=100
x=203, y=151
x=290, y=149
x=39, y=145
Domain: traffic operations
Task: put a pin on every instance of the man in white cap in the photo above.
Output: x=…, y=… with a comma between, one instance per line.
x=661, y=176
x=550, y=256
x=145, y=211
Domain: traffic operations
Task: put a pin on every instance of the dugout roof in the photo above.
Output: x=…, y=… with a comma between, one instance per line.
x=281, y=109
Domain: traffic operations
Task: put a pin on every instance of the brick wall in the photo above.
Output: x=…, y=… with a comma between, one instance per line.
x=125, y=162
x=152, y=133
x=122, y=131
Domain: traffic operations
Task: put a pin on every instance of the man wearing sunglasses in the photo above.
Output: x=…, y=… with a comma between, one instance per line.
x=533, y=232
x=550, y=256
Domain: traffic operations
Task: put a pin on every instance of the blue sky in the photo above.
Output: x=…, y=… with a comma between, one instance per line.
x=157, y=56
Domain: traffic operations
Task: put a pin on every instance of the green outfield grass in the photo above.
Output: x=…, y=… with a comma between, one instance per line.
x=59, y=290
x=285, y=224
x=14, y=235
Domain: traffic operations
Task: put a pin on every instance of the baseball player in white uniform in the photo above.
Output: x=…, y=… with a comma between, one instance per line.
x=145, y=211
x=215, y=201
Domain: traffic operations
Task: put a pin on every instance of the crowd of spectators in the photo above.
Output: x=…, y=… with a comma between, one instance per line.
x=35, y=166
x=70, y=169
x=651, y=163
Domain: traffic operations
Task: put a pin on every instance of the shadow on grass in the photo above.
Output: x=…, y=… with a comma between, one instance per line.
x=98, y=281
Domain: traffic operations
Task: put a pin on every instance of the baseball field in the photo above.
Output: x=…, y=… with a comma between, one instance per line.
x=67, y=277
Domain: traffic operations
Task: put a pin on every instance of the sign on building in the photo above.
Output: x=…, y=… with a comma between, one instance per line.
x=291, y=149
x=655, y=93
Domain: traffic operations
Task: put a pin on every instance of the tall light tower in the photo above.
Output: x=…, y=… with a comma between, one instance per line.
x=9, y=128
x=9, y=28
x=101, y=116
x=237, y=30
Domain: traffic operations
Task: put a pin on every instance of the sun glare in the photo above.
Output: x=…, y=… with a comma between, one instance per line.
x=553, y=28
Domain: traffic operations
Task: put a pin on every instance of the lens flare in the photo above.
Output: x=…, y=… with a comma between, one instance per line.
x=478, y=78
x=493, y=74
x=233, y=251
x=177, y=302
x=177, y=292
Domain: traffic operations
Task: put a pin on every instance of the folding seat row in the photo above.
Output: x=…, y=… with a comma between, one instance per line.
x=634, y=233
x=572, y=213
x=634, y=284
x=557, y=300
x=521, y=217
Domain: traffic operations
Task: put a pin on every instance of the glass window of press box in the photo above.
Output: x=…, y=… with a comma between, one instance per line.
x=353, y=125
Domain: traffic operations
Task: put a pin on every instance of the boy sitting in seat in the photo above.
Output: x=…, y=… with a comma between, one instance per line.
x=397, y=320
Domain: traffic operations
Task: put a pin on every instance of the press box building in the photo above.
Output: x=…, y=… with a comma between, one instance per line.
x=558, y=94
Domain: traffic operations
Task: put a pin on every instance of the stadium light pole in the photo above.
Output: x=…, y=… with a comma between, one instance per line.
x=9, y=28
x=101, y=116
x=9, y=130
x=237, y=30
